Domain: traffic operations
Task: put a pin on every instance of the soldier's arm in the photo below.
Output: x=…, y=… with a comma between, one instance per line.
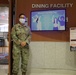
x=28, y=39
x=14, y=36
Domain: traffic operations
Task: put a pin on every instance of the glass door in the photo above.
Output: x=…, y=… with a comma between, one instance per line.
x=4, y=43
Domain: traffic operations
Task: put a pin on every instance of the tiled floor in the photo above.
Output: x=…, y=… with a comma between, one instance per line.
x=52, y=72
x=3, y=69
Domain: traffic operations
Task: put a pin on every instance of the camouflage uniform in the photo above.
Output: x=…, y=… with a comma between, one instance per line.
x=20, y=33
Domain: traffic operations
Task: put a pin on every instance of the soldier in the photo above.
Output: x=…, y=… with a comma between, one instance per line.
x=21, y=36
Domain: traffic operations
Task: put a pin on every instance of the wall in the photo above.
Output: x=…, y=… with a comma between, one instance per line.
x=26, y=7
x=3, y=2
x=50, y=49
x=52, y=55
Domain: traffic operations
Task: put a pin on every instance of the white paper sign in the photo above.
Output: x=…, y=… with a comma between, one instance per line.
x=73, y=38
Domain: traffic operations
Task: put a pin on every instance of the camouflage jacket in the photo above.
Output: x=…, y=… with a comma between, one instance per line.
x=21, y=33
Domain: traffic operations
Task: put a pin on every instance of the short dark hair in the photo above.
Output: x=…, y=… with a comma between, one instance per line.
x=62, y=17
x=21, y=14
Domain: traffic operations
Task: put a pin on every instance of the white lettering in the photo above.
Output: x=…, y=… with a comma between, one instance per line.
x=33, y=5
x=71, y=4
x=54, y=6
x=51, y=5
x=62, y=5
x=40, y=5
x=58, y=5
x=67, y=5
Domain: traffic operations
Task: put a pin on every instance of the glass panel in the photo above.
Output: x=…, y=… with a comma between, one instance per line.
x=4, y=48
x=4, y=19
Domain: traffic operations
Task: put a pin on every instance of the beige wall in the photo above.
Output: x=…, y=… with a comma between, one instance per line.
x=52, y=55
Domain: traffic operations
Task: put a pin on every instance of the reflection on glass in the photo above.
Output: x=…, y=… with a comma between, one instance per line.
x=4, y=19
x=4, y=49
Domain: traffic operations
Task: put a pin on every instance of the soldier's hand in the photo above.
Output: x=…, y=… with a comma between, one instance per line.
x=23, y=44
